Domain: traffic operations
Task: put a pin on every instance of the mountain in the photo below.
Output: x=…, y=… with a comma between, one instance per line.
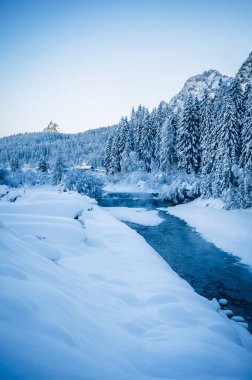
x=53, y=128
x=196, y=86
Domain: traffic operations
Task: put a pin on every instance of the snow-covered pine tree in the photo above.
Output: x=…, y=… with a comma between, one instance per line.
x=15, y=165
x=43, y=165
x=108, y=155
x=159, y=115
x=227, y=135
x=122, y=133
x=188, y=137
x=115, y=155
x=147, y=141
x=238, y=99
x=140, y=116
x=206, y=135
x=59, y=171
x=167, y=147
x=246, y=134
x=129, y=157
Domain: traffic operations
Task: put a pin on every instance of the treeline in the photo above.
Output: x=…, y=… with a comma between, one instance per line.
x=29, y=148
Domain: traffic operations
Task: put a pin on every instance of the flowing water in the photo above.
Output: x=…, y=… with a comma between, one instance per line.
x=212, y=272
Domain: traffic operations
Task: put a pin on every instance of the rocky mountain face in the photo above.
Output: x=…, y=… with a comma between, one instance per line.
x=53, y=128
x=197, y=86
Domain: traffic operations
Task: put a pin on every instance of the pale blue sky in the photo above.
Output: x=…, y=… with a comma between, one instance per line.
x=85, y=64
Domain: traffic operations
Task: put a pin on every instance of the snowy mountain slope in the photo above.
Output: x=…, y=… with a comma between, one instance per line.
x=196, y=86
x=53, y=128
x=102, y=304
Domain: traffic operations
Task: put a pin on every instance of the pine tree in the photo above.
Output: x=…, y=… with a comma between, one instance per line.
x=122, y=133
x=167, y=148
x=206, y=136
x=159, y=116
x=59, y=171
x=115, y=155
x=227, y=152
x=139, y=118
x=108, y=155
x=237, y=96
x=188, y=138
x=246, y=135
x=147, y=142
x=15, y=165
x=43, y=165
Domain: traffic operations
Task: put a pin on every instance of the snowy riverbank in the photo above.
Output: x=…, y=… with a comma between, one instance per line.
x=84, y=296
x=230, y=230
x=135, y=215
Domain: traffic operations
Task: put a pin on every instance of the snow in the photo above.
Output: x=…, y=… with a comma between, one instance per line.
x=83, y=296
x=126, y=187
x=135, y=215
x=230, y=230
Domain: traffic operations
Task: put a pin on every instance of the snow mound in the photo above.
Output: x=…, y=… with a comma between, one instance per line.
x=135, y=215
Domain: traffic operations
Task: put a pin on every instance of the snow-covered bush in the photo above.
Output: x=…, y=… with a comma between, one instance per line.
x=18, y=178
x=180, y=189
x=85, y=182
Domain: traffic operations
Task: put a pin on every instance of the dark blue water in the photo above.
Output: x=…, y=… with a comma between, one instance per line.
x=212, y=272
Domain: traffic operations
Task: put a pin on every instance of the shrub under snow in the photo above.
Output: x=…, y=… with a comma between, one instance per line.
x=84, y=182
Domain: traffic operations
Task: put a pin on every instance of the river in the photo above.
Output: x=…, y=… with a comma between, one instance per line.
x=212, y=272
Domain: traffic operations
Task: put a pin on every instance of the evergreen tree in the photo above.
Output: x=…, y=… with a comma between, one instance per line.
x=246, y=134
x=206, y=151
x=15, y=165
x=59, y=171
x=167, y=148
x=159, y=116
x=43, y=165
x=122, y=133
x=139, y=118
x=228, y=145
x=108, y=158
x=147, y=142
x=188, y=138
x=237, y=96
x=115, y=155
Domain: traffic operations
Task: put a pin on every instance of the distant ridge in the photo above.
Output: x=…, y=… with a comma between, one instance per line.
x=53, y=128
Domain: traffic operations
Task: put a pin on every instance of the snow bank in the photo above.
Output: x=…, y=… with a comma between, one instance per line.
x=135, y=215
x=230, y=230
x=100, y=303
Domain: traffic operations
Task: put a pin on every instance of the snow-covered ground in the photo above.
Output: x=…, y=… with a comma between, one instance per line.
x=230, y=230
x=135, y=215
x=83, y=296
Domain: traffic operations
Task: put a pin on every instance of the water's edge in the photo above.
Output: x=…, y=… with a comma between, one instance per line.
x=212, y=272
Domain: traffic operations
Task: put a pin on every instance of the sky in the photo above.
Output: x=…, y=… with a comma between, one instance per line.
x=85, y=64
